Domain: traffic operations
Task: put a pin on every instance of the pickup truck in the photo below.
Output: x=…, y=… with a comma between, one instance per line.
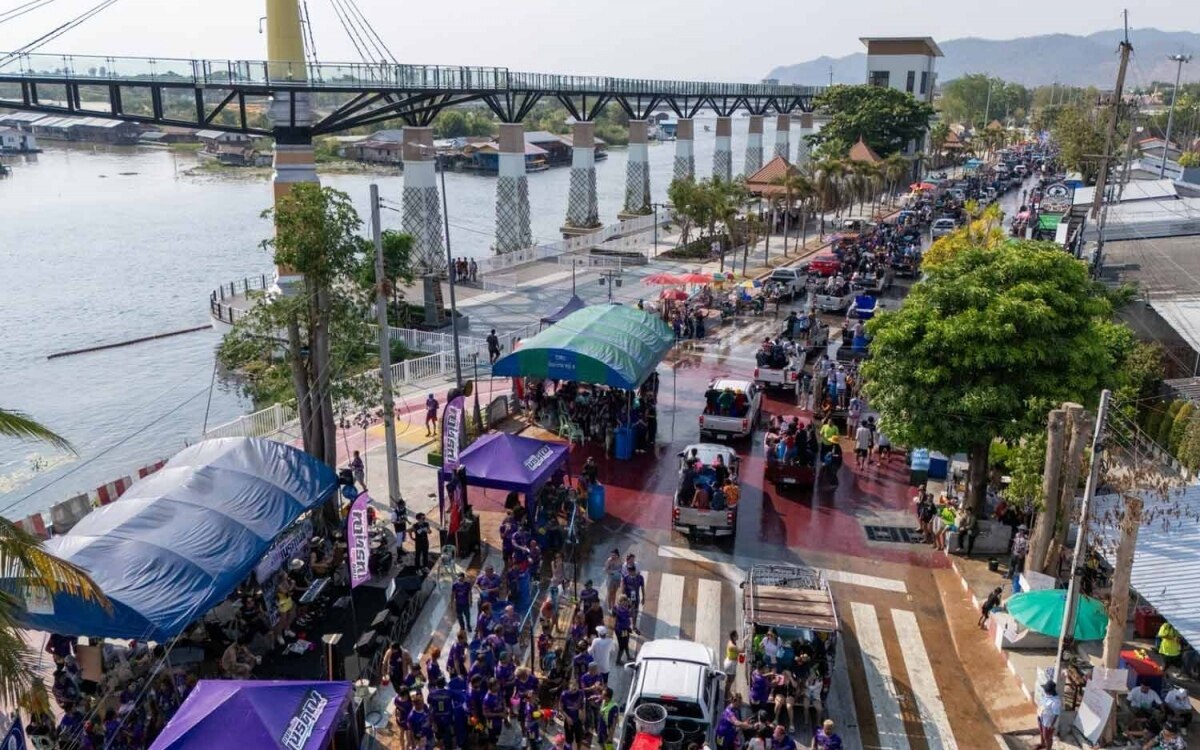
x=791, y=281
x=736, y=421
x=720, y=519
x=782, y=377
x=681, y=676
x=874, y=283
x=795, y=602
x=942, y=227
x=788, y=471
x=824, y=264
x=836, y=302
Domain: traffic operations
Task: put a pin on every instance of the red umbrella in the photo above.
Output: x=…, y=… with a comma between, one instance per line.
x=674, y=295
x=696, y=278
x=662, y=279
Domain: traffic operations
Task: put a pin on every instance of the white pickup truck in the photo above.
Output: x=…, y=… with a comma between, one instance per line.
x=732, y=407
x=681, y=676
x=787, y=377
x=792, y=281
x=720, y=518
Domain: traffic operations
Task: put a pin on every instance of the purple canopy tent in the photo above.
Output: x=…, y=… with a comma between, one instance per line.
x=507, y=462
x=257, y=714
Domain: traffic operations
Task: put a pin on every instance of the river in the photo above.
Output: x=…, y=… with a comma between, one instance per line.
x=100, y=245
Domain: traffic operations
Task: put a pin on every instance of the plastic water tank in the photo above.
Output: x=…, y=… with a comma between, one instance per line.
x=595, y=502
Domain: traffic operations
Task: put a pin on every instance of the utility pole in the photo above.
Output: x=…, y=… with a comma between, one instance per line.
x=987, y=107
x=450, y=275
x=1179, y=60
x=1102, y=181
x=1133, y=126
x=385, y=352
x=1079, y=561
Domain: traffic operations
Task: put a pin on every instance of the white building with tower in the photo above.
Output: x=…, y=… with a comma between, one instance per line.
x=904, y=63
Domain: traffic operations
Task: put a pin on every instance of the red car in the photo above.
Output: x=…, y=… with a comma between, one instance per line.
x=825, y=264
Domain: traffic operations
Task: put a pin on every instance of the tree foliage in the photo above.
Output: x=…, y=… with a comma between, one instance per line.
x=986, y=344
x=463, y=123
x=966, y=99
x=886, y=119
x=1080, y=139
x=986, y=231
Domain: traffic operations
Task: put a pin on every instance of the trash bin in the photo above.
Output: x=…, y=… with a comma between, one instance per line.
x=595, y=502
x=918, y=471
x=623, y=448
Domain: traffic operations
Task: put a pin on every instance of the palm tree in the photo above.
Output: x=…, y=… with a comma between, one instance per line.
x=829, y=175
x=895, y=169
x=22, y=557
x=795, y=186
x=938, y=135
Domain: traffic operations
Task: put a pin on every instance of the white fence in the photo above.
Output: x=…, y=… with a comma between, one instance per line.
x=266, y=423
x=576, y=244
x=433, y=342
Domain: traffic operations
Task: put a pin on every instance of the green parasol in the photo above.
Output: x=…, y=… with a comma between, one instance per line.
x=1042, y=612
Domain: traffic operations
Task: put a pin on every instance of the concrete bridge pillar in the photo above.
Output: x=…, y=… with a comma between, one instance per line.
x=512, y=191
x=685, y=154
x=804, y=150
x=783, y=126
x=290, y=113
x=637, y=170
x=723, y=153
x=582, y=209
x=754, y=145
x=422, y=207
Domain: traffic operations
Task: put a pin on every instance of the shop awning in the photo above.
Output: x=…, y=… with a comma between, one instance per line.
x=179, y=541
x=1166, y=562
x=609, y=345
x=256, y=714
x=573, y=305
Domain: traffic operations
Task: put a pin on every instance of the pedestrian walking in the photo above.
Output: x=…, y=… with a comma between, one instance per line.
x=1049, y=708
x=461, y=589
x=612, y=577
x=493, y=345
x=431, y=415
x=985, y=609
x=1020, y=548
x=360, y=471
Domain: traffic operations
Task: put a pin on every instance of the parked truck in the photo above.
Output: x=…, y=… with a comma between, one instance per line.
x=682, y=677
x=732, y=407
x=719, y=519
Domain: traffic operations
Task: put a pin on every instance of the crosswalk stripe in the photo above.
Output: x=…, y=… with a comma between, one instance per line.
x=669, y=611
x=882, y=686
x=720, y=561
x=708, y=614
x=920, y=678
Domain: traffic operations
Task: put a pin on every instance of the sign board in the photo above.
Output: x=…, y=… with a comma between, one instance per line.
x=541, y=456
x=1056, y=199
x=288, y=546
x=38, y=600
x=1092, y=715
x=358, y=540
x=1104, y=678
x=452, y=432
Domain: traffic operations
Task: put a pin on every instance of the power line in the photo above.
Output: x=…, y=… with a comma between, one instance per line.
x=28, y=7
x=353, y=38
x=371, y=29
x=59, y=30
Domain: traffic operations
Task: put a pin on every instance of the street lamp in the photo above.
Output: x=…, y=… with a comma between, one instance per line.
x=656, y=206
x=1179, y=61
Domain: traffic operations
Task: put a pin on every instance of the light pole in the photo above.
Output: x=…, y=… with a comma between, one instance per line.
x=656, y=206
x=987, y=107
x=1179, y=61
x=449, y=272
x=385, y=359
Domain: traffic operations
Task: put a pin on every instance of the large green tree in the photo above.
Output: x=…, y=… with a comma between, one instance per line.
x=985, y=345
x=885, y=118
x=967, y=99
x=1080, y=137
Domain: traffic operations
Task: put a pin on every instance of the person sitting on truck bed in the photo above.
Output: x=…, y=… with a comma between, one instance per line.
x=741, y=404
x=702, y=497
x=720, y=471
x=732, y=493
x=687, y=484
x=725, y=402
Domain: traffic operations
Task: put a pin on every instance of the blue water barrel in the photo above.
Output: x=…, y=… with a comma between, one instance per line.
x=623, y=449
x=860, y=344
x=522, y=593
x=595, y=502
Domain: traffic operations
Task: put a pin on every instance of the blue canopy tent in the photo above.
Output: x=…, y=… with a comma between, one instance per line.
x=507, y=462
x=257, y=714
x=609, y=345
x=180, y=540
x=573, y=305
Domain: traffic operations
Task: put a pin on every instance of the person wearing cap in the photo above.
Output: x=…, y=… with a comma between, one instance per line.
x=1049, y=708
x=1020, y=548
x=634, y=584
x=1179, y=706
x=603, y=649
x=431, y=412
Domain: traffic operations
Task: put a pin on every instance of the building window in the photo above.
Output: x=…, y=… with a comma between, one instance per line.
x=880, y=78
x=924, y=81
x=911, y=82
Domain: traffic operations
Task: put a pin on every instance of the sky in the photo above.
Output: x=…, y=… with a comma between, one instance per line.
x=718, y=40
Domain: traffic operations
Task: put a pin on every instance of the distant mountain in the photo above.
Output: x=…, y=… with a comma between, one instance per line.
x=1036, y=60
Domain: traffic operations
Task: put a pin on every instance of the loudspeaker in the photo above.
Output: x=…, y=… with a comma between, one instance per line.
x=351, y=727
x=367, y=643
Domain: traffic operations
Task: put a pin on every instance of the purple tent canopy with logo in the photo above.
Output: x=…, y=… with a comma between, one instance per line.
x=508, y=462
x=257, y=714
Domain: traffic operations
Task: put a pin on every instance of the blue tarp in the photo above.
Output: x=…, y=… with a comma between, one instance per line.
x=573, y=305
x=182, y=539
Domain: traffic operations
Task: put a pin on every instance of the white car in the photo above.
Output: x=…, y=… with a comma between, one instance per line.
x=740, y=421
x=942, y=227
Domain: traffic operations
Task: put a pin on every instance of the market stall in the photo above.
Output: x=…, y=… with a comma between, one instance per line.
x=181, y=540
x=511, y=463
x=259, y=714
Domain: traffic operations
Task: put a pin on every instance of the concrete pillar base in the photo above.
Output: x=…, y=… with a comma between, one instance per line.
x=803, y=150
x=754, y=146
x=637, y=170
x=512, y=192
x=723, y=153
x=783, y=146
x=583, y=211
x=685, y=159
x=421, y=205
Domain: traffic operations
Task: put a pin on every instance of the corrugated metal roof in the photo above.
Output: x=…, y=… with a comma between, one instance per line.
x=1166, y=564
x=1183, y=314
x=1149, y=219
x=1135, y=190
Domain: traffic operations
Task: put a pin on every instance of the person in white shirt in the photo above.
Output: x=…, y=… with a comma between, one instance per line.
x=862, y=445
x=1179, y=706
x=1144, y=701
x=602, y=650
x=1048, y=710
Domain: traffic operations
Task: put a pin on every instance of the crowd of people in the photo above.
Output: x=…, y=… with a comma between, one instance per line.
x=594, y=413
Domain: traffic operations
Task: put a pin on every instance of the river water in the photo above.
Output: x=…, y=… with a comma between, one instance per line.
x=100, y=245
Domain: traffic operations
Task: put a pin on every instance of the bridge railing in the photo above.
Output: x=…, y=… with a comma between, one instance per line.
x=363, y=76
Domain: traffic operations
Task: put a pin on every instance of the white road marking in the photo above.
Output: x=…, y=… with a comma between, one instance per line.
x=737, y=573
x=884, y=699
x=920, y=678
x=841, y=701
x=670, y=606
x=708, y=616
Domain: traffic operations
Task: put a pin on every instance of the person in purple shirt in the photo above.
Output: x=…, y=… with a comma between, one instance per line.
x=634, y=584
x=526, y=681
x=483, y=621
x=587, y=595
x=493, y=711
x=729, y=724
x=456, y=660
x=403, y=704
x=582, y=659
x=512, y=581
x=419, y=723
x=461, y=589
x=475, y=695
x=488, y=584
x=510, y=626
x=760, y=690
x=623, y=616
x=508, y=527
x=531, y=727
x=592, y=684
x=781, y=740
x=506, y=674
x=433, y=666
x=826, y=738
x=571, y=702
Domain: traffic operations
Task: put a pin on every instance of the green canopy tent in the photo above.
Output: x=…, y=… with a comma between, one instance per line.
x=609, y=345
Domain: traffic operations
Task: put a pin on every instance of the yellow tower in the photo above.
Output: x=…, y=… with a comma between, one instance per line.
x=294, y=161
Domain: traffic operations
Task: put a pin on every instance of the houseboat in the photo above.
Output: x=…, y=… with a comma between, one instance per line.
x=230, y=149
x=71, y=128
x=13, y=141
